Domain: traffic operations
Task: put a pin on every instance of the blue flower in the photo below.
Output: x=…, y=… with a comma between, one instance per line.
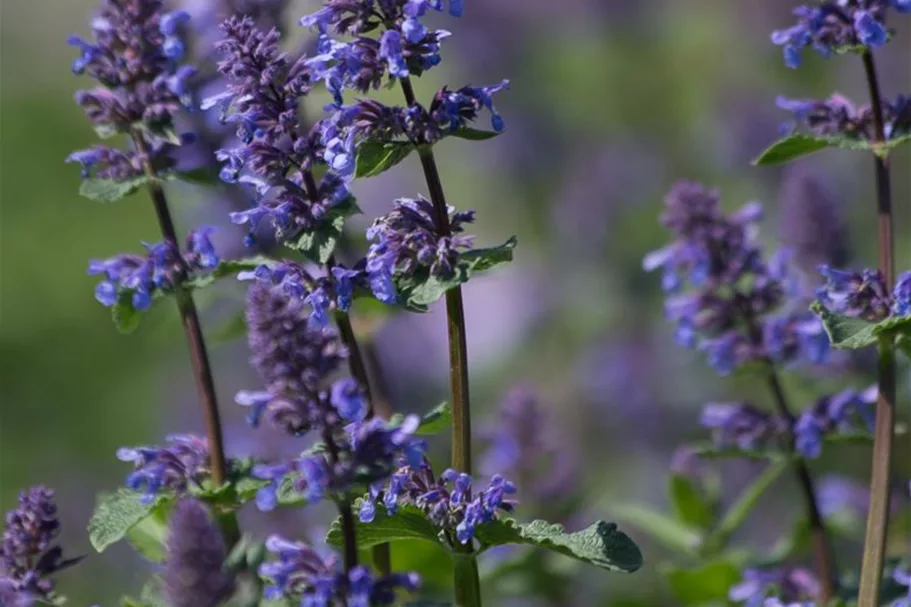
x=871, y=32
x=901, y=295
x=348, y=399
x=182, y=461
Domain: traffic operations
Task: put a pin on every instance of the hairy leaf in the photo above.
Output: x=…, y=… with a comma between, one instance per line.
x=847, y=333
x=375, y=157
x=108, y=190
x=794, y=146
x=408, y=523
x=319, y=244
x=149, y=535
x=116, y=514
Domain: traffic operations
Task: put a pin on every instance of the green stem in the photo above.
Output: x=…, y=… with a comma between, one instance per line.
x=871, y=569
x=465, y=579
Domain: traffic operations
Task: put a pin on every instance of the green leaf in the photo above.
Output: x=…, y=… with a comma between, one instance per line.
x=662, y=528
x=126, y=318
x=319, y=244
x=229, y=330
x=148, y=536
x=375, y=157
x=740, y=510
x=408, y=523
x=847, y=333
x=419, y=291
x=434, y=421
x=796, y=145
x=116, y=514
x=704, y=584
x=473, y=134
x=108, y=190
x=601, y=544
x=690, y=503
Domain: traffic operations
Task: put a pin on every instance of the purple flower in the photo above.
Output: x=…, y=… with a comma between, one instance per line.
x=28, y=555
x=844, y=412
x=901, y=575
x=742, y=426
x=839, y=116
x=834, y=26
x=901, y=295
x=857, y=294
x=183, y=461
x=194, y=575
x=300, y=573
x=163, y=269
x=789, y=585
x=134, y=57
x=450, y=502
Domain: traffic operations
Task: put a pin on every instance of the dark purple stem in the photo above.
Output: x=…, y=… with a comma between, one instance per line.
x=871, y=569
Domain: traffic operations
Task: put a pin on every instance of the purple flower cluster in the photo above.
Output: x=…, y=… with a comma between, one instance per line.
x=183, y=461
x=405, y=243
x=450, y=502
x=301, y=573
x=843, y=412
x=727, y=311
x=834, y=26
x=839, y=116
x=524, y=446
x=786, y=585
x=742, y=426
x=27, y=554
x=365, y=453
x=276, y=154
x=864, y=294
x=135, y=58
x=163, y=269
x=194, y=573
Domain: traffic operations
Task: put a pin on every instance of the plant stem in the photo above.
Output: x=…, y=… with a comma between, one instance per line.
x=455, y=315
x=871, y=569
x=465, y=580
x=823, y=554
x=199, y=357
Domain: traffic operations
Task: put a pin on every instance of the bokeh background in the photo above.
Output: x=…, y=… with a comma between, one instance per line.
x=611, y=102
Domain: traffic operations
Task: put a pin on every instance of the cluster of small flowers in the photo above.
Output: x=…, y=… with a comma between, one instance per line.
x=182, y=462
x=865, y=294
x=450, y=502
x=300, y=572
x=733, y=292
x=135, y=57
x=777, y=587
x=833, y=26
x=163, y=269
x=742, y=426
x=27, y=554
x=838, y=115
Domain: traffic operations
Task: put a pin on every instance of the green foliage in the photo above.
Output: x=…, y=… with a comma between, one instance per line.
x=794, y=146
x=692, y=505
x=665, y=530
x=433, y=422
x=420, y=290
x=601, y=544
x=847, y=333
x=376, y=157
x=148, y=536
x=473, y=134
x=108, y=190
x=117, y=513
x=319, y=244
x=151, y=595
x=705, y=584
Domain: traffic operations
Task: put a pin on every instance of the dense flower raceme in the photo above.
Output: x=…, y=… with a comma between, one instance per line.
x=194, y=573
x=449, y=502
x=785, y=586
x=523, y=445
x=405, y=243
x=735, y=307
x=833, y=26
x=181, y=463
x=742, y=426
x=301, y=573
x=135, y=57
x=864, y=294
x=162, y=269
x=28, y=555
x=839, y=116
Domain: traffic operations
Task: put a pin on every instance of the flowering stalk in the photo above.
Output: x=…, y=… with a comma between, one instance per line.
x=878, y=514
x=465, y=570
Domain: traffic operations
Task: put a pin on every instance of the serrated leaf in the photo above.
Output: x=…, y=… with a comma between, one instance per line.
x=796, y=145
x=148, y=536
x=661, y=528
x=108, y=190
x=117, y=513
x=473, y=134
x=375, y=157
x=704, y=584
x=419, y=291
x=408, y=523
x=690, y=504
x=601, y=544
x=319, y=244
x=847, y=333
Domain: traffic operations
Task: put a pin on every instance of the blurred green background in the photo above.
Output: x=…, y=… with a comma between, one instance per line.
x=611, y=102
